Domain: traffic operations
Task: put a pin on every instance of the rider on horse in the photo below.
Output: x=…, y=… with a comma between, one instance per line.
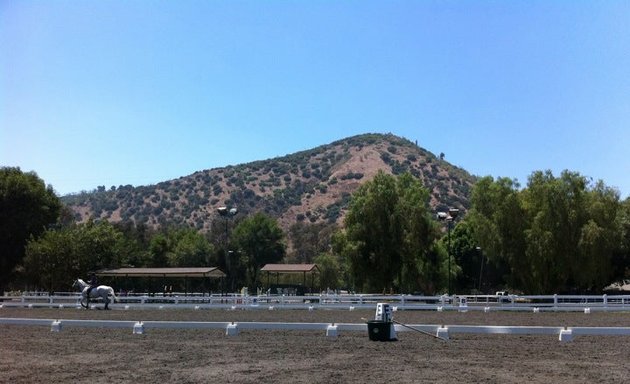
x=93, y=284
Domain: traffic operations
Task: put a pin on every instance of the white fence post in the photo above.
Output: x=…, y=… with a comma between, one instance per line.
x=565, y=335
x=55, y=326
x=138, y=328
x=331, y=331
x=231, y=330
x=442, y=333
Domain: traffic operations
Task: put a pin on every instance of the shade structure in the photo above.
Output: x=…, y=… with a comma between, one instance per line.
x=163, y=272
x=290, y=269
x=164, y=277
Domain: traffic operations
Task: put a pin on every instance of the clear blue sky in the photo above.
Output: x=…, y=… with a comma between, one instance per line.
x=137, y=92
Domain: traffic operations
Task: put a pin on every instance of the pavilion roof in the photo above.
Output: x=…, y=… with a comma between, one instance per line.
x=290, y=268
x=163, y=272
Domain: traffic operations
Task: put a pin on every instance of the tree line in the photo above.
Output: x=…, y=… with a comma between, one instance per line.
x=556, y=235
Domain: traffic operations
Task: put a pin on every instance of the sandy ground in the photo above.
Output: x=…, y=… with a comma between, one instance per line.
x=34, y=354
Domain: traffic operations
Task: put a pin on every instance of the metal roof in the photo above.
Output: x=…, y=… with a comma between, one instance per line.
x=163, y=272
x=290, y=268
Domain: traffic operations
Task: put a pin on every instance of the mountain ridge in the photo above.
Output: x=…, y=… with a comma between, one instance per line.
x=312, y=185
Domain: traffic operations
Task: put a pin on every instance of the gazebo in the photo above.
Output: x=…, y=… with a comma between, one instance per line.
x=290, y=269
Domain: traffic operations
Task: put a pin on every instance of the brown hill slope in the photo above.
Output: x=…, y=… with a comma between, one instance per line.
x=309, y=186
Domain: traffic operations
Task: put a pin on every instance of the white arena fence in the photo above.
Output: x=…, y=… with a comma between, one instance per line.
x=444, y=332
x=487, y=303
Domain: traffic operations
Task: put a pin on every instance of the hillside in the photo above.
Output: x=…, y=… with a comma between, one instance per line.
x=308, y=186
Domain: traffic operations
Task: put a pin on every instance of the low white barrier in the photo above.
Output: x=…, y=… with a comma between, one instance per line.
x=332, y=329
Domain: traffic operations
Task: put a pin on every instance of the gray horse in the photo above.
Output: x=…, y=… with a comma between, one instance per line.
x=102, y=291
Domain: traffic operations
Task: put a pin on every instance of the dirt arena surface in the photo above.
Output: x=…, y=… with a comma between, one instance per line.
x=34, y=354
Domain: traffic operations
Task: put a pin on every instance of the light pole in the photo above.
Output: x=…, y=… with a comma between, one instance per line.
x=481, y=267
x=449, y=217
x=227, y=213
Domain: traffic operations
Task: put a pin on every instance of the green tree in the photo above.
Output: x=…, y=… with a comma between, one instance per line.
x=180, y=247
x=498, y=222
x=342, y=250
x=601, y=237
x=27, y=208
x=259, y=241
x=135, y=247
x=59, y=256
x=621, y=257
x=420, y=263
x=555, y=220
x=160, y=250
x=573, y=232
x=192, y=250
x=389, y=235
x=52, y=261
x=100, y=246
x=467, y=256
x=559, y=234
x=310, y=240
x=330, y=271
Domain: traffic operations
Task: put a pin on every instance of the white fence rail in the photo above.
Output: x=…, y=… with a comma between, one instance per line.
x=331, y=329
x=346, y=301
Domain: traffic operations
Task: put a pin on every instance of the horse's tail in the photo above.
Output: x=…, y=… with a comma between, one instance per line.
x=114, y=297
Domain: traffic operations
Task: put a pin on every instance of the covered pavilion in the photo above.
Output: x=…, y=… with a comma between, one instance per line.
x=166, y=275
x=278, y=269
